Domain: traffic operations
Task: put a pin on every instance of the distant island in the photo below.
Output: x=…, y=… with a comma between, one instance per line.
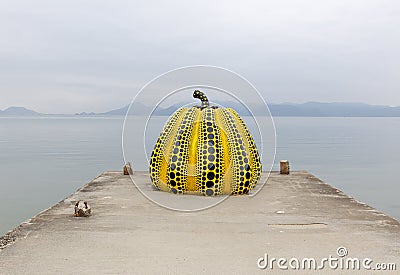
x=18, y=111
x=309, y=109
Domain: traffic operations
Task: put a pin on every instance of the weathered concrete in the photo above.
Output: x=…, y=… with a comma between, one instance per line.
x=294, y=215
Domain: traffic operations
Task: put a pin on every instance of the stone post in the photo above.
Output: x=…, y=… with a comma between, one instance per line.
x=285, y=169
x=128, y=169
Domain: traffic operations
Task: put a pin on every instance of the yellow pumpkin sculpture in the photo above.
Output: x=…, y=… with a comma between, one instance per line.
x=205, y=150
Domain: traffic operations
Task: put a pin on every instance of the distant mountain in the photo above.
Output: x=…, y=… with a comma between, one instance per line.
x=318, y=109
x=309, y=109
x=85, y=114
x=117, y=112
x=18, y=111
x=139, y=109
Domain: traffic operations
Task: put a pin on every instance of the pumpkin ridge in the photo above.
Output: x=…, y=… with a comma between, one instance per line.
x=208, y=169
x=239, y=156
x=193, y=153
x=179, y=159
x=251, y=147
x=158, y=153
x=227, y=176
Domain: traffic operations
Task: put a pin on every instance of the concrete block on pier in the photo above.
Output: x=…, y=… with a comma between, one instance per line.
x=285, y=169
x=82, y=209
x=128, y=169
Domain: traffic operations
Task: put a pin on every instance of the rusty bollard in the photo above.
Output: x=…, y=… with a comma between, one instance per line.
x=127, y=169
x=82, y=209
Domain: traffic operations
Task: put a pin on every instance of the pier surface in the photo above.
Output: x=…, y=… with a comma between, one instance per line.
x=293, y=216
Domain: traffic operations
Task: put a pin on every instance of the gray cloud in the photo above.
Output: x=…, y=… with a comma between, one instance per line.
x=70, y=56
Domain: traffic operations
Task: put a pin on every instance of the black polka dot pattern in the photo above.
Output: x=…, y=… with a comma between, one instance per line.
x=202, y=97
x=223, y=155
x=239, y=156
x=158, y=156
x=178, y=161
x=255, y=162
x=210, y=166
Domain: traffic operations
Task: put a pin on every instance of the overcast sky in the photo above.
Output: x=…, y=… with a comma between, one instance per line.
x=73, y=56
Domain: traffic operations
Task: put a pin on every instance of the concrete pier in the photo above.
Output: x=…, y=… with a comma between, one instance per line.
x=293, y=216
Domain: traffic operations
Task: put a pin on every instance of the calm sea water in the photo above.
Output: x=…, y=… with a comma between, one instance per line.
x=43, y=160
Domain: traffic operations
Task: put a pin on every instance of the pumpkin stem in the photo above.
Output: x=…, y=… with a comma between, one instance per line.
x=202, y=97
